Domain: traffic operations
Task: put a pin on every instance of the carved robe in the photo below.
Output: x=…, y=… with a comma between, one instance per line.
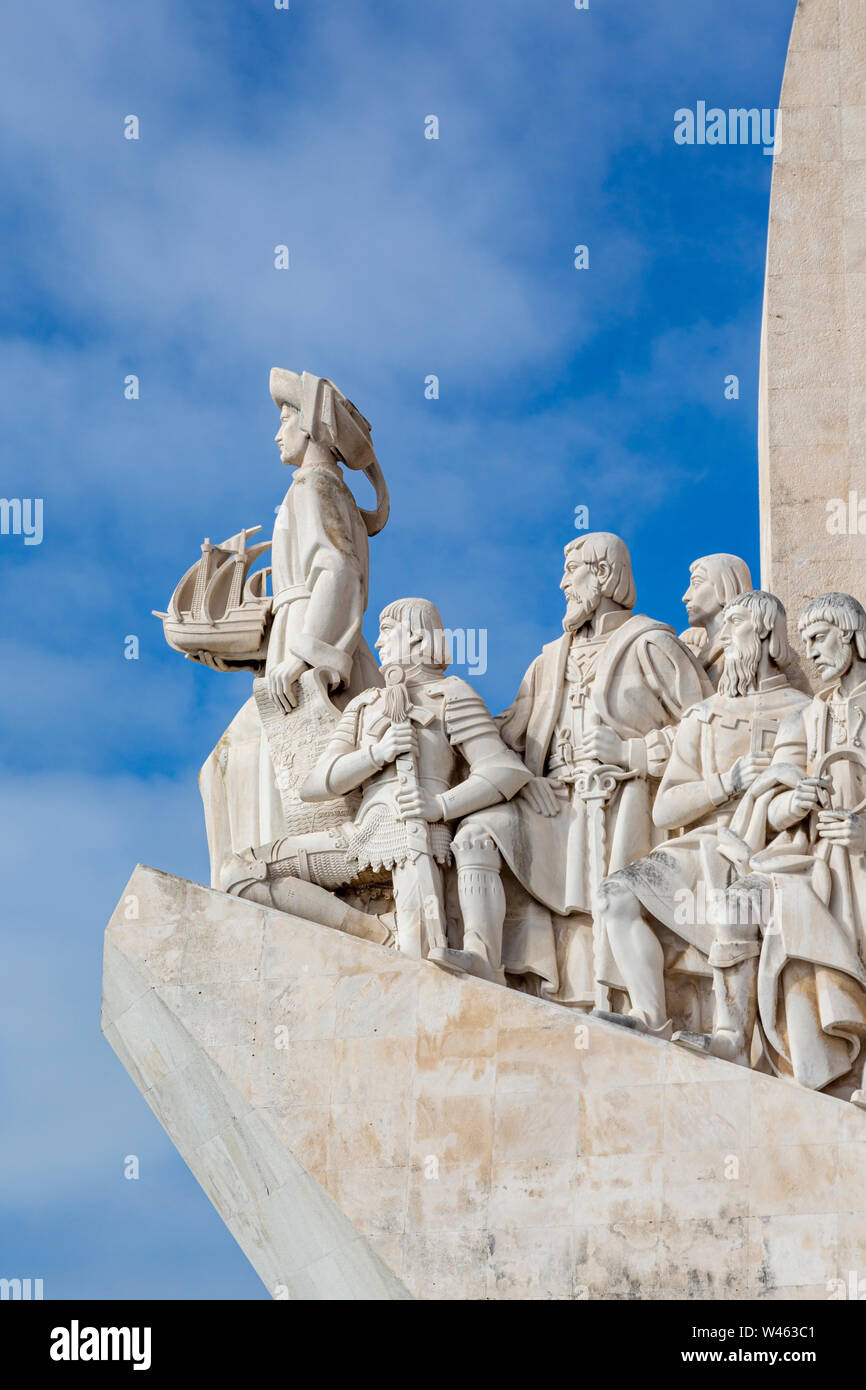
x=320, y=574
x=812, y=981
x=321, y=566
x=635, y=678
x=710, y=739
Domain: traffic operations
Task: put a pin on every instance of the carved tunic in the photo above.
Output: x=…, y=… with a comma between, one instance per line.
x=712, y=736
x=321, y=552
x=826, y=723
x=634, y=678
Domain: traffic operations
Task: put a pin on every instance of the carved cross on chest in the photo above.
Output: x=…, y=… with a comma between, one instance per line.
x=580, y=671
x=727, y=721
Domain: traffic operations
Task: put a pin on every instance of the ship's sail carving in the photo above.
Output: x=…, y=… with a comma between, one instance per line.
x=219, y=613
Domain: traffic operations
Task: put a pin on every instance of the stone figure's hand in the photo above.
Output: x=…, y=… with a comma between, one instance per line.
x=414, y=803
x=604, y=746
x=695, y=638
x=399, y=738
x=843, y=828
x=806, y=796
x=744, y=772
x=281, y=682
x=541, y=796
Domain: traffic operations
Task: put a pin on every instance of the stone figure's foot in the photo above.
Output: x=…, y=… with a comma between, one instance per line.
x=388, y=922
x=624, y=1020
x=637, y=1023
x=694, y=1042
x=241, y=872
x=859, y=1099
x=730, y=1047
x=466, y=963
x=448, y=959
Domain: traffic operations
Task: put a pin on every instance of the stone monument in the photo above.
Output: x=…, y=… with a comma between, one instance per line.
x=812, y=425
x=565, y=1003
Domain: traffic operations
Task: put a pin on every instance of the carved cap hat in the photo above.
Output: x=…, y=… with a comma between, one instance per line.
x=326, y=415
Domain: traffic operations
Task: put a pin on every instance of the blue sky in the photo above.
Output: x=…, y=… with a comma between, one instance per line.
x=409, y=257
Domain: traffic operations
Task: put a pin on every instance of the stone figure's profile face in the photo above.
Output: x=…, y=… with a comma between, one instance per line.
x=739, y=633
x=291, y=438
x=830, y=650
x=743, y=648
x=582, y=585
x=394, y=643
x=700, y=599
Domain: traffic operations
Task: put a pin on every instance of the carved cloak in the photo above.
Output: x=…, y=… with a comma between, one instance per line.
x=644, y=682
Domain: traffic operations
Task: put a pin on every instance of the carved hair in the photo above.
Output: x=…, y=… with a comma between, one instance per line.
x=728, y=574
x=770, y=621
x=423, y=620
x=328, y=417
x=602, y=546
x=840, y=610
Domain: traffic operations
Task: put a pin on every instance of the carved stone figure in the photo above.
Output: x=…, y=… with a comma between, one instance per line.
x=714, y=581
x=653, y=910
x=424, y=751
x=593, y=721
x=319, y=557
x=311, y=657
x=808, y=987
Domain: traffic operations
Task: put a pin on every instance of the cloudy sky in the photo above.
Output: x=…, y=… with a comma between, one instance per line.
x=559, y=388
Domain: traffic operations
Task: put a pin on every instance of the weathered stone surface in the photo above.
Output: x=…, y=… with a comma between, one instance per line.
x=423, y=1135
x=812, y=431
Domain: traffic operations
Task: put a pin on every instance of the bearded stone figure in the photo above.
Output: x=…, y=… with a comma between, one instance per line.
x=799, y=842
x=652, y=914
x=594, y=722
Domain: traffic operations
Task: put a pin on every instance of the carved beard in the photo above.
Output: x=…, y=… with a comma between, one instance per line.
x=741, y=669
x=579, y=611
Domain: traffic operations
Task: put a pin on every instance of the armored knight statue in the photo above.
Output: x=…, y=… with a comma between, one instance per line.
x=425, y=751
x=593, y=721
x=714, y=580
x=650, y=912
x=800, y=841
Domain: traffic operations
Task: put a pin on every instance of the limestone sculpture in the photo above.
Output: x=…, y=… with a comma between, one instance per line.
x=408, y=746
x=593, y=720
x=771, y=787
x=713, y=581
x=799, y=841
x=652, y=911
x=620, y=839
x=303, y=641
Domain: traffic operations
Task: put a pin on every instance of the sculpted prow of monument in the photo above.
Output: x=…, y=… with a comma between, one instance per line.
x=549, y=850
x=311, y=1153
